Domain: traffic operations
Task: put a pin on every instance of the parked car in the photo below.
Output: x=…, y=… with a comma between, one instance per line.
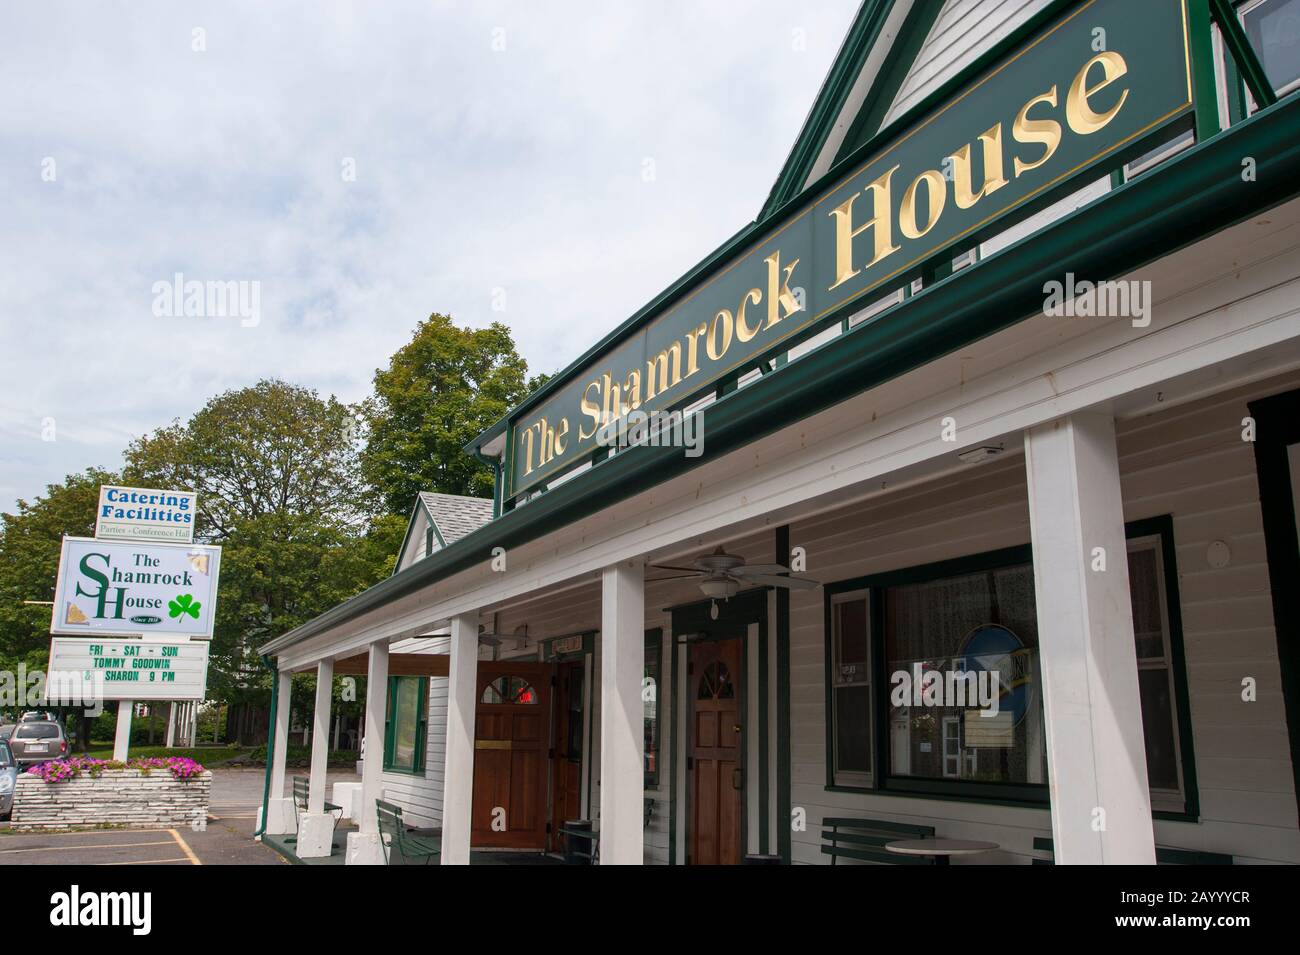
x=42, y=715
x=37, y=741
x=8, y=779
x=7, y=730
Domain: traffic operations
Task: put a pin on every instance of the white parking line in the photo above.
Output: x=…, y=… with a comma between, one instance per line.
x=100, y=845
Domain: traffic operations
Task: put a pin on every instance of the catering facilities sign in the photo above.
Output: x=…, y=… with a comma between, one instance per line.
x=1091, y=87
x=110, y=668
x=138, y=513
x=119, y=587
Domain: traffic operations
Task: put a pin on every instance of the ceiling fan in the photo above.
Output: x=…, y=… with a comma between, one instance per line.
x=490, y=639
x=721, y=576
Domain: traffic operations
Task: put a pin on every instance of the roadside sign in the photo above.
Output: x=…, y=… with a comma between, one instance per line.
x=118, y=587
x=139, y=513
x=110, y=668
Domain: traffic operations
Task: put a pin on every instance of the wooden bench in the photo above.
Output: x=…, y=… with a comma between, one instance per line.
x=1165, y=855
x=301, y=795
x=397, y=842
x=851, y=837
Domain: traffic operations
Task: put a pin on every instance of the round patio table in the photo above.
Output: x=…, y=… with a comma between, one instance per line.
x=940, y=849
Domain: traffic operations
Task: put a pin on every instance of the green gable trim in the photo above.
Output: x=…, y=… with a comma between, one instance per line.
x=1186, y=199
x=857, y=46
x=410, y=528
x=911, y=37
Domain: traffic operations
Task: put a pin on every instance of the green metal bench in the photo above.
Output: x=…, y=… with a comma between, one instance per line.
x=301, y=795
x=852, y=837
x=1165, y=855
x=397, y=842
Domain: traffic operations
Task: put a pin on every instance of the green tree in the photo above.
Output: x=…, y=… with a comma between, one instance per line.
x=277, y=473
x=29, y=561
x=443, y=388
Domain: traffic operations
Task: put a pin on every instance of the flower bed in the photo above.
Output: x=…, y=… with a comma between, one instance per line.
x=139, y=793
x=57, y=770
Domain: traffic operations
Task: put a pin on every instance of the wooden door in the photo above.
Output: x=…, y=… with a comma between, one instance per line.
x=716, y=751
x=567, y=767
x=511, y=726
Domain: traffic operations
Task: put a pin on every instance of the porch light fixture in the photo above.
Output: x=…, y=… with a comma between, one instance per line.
x=719, y=587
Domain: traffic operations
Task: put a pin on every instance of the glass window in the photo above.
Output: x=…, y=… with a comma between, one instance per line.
x=1273, y=28
x=6, y=755
x=851, y=689
x=510, y=690
x=405, y=730
x=1155, y=672
x=959, y=647
x=955, y=649
x=650, y=702
x=37, y=731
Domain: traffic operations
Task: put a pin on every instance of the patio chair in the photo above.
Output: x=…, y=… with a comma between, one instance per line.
x=397, y=842
x=852, y=837
x=301, y=794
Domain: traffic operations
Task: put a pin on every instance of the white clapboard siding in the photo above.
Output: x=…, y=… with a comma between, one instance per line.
x=962, y=32
x=421, y=796
x=1190, y=462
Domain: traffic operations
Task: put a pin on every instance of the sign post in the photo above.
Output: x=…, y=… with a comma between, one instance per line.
x=122, y=740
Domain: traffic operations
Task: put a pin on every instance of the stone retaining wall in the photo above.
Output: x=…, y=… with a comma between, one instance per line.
x=119, y=797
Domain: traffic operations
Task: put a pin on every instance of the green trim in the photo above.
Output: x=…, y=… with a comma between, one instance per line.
x=1277, y=424
x=893, y=71
x=1011, y=794
x=764, y=741
x=1174, y=205
x=784, y=793
x=672, y=754
x=852, y=57
x=1243, y=54
x=270, y=744
x=419, y=757
x=1205, y=96
x=1163, y=526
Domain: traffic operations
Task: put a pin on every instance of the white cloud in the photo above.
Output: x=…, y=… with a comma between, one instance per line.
x=476, y=169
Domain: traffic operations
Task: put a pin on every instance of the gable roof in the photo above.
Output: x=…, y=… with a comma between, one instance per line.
x=455, y=515
x=447, y=517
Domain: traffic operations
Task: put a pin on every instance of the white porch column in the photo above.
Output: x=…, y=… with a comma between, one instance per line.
x=363, y=845
x=280, y=817
x=1101, y=806
x=622, y=714
x=458, y=770
x=316, y=827
x=122, y=739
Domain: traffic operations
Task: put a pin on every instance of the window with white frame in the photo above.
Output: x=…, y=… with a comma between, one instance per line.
x=1273, y=29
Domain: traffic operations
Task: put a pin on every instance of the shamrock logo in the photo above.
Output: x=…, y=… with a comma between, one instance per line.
x=183, y=604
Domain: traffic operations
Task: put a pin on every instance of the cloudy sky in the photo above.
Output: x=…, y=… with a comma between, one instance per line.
x=549, y=163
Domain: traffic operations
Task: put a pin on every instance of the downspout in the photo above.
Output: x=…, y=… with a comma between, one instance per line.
x=270, y=744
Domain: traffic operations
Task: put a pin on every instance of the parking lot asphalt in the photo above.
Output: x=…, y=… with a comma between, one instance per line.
x=226, y=839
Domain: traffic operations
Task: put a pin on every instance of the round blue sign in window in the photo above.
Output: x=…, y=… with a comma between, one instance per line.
x=994, y=648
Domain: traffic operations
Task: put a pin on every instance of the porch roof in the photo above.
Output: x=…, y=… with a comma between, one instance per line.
x=1180, y=202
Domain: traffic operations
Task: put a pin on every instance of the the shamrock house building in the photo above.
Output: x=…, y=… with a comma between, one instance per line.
x=955, y=495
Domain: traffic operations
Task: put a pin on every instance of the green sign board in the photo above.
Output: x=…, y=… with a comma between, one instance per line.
x=1102, y=79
